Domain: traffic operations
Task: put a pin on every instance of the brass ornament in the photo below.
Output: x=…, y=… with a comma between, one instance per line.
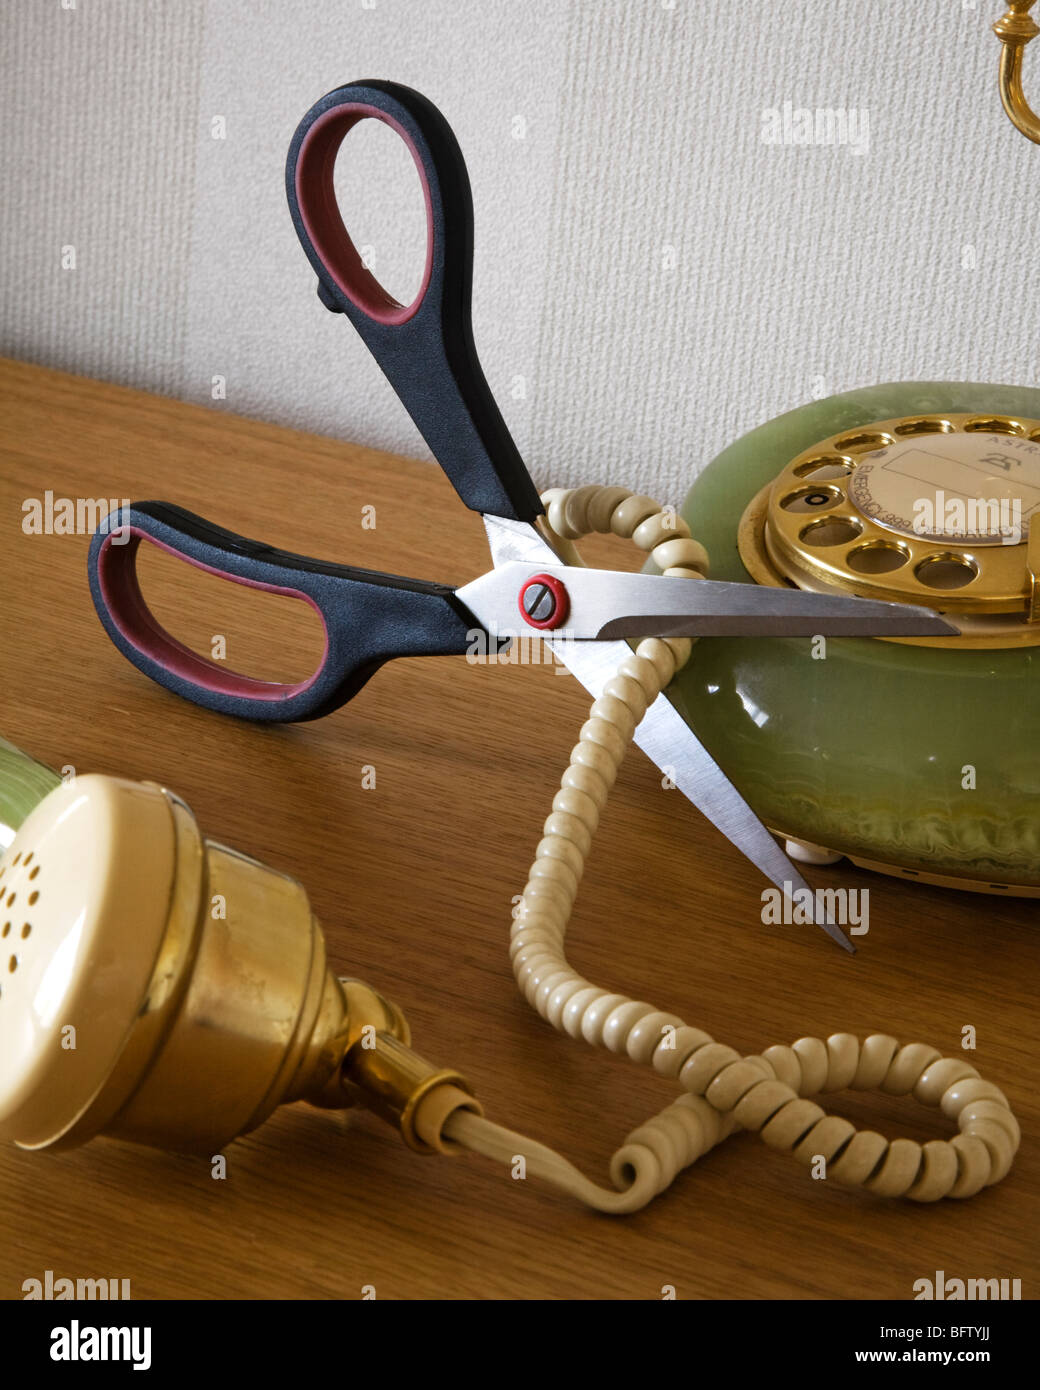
x=1015, y=29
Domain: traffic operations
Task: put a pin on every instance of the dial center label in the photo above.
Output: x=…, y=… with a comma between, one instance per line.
x=960, y=489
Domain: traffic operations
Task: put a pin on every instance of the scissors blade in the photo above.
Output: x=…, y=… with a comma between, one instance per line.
x=667, y=739
x=612, y=603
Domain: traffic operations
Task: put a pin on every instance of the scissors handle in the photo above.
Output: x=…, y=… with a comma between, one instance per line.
x=368, y=617
x=425, y=348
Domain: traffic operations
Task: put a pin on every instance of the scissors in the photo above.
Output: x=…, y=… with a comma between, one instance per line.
x=427, y=352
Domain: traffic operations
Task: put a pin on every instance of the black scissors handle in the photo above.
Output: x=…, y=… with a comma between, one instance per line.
x=425, y=348
x=368, y=617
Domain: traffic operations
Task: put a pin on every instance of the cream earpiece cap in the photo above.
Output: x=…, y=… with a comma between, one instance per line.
x=86, y=887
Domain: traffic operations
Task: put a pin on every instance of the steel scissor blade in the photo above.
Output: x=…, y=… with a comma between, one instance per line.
x=605, y=604
x=667, y=739
x=724, y=609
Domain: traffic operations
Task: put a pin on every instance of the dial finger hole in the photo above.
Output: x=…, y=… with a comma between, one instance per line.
x=832, y=530
x=877, y=557
x=946, y=571
x=811, y=499
x=823, y=467
x=865, y=442
x=994, y=424
x=924, y=426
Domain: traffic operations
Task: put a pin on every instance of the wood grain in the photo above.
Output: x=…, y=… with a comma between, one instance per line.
x=414, y=880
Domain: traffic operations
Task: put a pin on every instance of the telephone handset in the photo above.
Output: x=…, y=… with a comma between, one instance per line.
x=158, y=987
x=141, y=961
x=895, y=491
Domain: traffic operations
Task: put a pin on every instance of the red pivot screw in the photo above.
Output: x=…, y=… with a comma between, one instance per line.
x=544, y=601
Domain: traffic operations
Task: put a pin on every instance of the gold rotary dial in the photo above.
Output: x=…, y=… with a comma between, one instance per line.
x=929, y=509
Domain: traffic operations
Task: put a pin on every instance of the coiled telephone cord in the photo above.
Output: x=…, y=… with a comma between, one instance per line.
x=768, y=1094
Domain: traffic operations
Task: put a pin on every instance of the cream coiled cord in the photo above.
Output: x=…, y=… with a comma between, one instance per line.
x=723, y=1091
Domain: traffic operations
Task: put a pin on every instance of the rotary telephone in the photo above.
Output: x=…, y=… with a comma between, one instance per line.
x=918, y=492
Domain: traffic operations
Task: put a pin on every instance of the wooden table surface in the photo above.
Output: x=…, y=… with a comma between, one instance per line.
x=413, y=881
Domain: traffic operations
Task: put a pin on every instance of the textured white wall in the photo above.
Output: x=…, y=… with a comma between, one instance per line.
x=652, y=277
